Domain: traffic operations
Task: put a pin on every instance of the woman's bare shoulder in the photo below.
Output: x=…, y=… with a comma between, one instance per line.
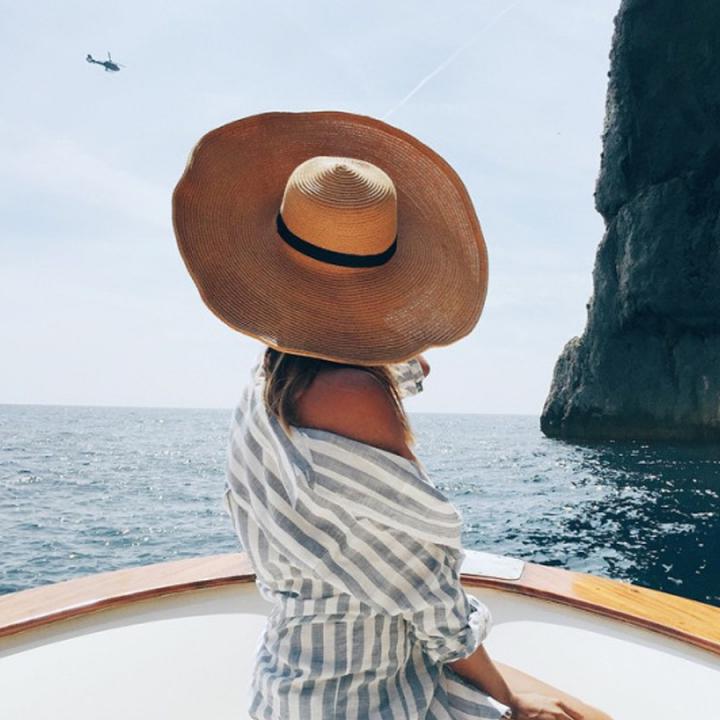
x=353, y=403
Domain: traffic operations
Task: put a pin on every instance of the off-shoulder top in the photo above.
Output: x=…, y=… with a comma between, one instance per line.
x=360, y=555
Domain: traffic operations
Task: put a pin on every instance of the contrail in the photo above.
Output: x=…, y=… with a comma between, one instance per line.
x=451, y=58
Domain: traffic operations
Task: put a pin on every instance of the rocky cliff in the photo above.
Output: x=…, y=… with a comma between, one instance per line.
x=648, y=363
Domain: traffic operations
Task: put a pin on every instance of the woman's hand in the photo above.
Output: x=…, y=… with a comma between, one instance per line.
x=532, y=706
x=424, y=364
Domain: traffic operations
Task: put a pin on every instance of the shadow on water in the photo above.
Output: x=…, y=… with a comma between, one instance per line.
x=658, y=522
x=637, y=511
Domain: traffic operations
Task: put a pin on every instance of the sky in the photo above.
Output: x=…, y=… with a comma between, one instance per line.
x=96, y=307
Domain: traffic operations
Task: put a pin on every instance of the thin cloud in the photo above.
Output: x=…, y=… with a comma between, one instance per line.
x=451, y=59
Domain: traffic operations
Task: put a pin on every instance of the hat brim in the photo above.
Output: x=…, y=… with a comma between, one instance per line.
x=429, y=294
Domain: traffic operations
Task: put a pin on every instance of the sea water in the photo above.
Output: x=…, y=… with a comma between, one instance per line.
x=90, y=489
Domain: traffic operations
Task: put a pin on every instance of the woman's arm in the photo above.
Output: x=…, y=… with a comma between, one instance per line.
x=480, y=670
x=526, y=695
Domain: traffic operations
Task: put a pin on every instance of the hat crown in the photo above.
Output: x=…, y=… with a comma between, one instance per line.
x=341, y=204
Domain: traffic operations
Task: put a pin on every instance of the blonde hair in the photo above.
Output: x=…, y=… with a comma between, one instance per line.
x=287, y=376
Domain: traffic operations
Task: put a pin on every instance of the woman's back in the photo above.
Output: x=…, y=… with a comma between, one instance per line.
x=351, y=402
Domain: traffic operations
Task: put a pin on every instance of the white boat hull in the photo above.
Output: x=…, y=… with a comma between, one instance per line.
x=190, y=654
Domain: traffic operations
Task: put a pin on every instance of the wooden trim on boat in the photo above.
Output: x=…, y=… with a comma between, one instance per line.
x=38, y=606
x=686, y=620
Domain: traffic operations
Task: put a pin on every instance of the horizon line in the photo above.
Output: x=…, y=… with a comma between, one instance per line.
x=229, y=408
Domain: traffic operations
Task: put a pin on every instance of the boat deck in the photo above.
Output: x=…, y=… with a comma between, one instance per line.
x=177, y=640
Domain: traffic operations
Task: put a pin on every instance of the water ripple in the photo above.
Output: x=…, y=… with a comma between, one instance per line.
x=86, y=490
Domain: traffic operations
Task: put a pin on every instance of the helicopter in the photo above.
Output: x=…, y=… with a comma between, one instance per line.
x=108, y=64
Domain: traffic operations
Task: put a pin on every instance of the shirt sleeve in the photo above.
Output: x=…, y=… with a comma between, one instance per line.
x=395, y=573
x=409, y=376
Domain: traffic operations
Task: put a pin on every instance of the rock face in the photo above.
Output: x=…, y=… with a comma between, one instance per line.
x=648, y=363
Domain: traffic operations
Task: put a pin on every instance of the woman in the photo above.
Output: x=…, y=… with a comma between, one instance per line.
x=348, y=247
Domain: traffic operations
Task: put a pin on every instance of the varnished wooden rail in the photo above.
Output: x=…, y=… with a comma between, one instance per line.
x=38, y=606
x=686, y=620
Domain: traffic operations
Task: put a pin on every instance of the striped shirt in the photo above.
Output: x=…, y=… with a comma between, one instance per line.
x=360, y=555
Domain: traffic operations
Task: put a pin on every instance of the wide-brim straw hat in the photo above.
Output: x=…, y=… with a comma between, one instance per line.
x=332, y=235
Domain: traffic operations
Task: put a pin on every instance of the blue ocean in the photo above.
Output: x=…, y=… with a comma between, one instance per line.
x=90, y=489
